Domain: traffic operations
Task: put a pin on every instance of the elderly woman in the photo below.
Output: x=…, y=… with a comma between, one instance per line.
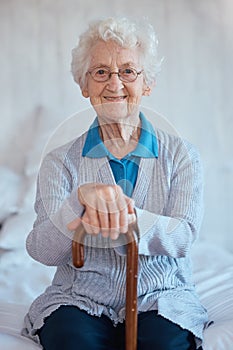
x=121, y=168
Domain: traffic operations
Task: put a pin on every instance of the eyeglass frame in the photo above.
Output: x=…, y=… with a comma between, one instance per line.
x=118, y=73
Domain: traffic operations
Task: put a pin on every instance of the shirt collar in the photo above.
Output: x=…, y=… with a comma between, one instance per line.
x=147, y=146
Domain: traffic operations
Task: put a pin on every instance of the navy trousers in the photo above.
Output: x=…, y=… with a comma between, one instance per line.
x=69, y=328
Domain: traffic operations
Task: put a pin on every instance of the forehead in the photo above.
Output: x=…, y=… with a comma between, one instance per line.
x=110, y=53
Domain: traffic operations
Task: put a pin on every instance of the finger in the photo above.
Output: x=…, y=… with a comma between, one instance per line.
x=119, y=214
x=130, y=205
x=104, y=223
x=123, y=210
x=114, y=219
x=91, y=222
x=103, y=216
x=89, y=228
x=114, y=209
x=131, y=218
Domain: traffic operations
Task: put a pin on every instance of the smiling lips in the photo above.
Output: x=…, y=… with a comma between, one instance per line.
x=115, y=99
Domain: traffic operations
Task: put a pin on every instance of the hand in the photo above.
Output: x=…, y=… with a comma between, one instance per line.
x=107, y=210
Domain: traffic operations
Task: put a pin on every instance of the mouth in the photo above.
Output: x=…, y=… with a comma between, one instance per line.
x=115, y=98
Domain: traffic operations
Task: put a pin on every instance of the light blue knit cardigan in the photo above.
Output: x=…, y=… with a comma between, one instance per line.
x=169, y=205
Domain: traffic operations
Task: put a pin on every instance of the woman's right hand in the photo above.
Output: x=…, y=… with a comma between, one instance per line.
x=107, y=210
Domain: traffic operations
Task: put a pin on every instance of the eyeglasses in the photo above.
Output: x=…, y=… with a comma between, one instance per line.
x=103, y=74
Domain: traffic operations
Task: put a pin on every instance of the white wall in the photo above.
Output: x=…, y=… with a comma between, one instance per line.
x=194, y=89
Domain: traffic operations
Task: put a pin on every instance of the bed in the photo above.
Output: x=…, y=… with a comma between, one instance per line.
x=22, y=278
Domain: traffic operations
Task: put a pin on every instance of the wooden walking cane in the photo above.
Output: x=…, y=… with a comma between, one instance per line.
x=131, y=278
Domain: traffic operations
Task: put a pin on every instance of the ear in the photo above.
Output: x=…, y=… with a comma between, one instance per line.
x=146, y=91
x=84, y=89
x=148, y=88
x=85, y=92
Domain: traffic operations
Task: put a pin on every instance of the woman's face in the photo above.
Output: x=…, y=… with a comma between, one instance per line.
x=115, y=100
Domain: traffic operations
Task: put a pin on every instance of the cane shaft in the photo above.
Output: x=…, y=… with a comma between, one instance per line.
x=131, y=278
x=77, y=246
x=131, y=291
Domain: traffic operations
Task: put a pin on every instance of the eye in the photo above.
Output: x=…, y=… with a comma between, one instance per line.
x=101, y=71
x=128, y=71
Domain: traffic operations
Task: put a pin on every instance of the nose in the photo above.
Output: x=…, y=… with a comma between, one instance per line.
x=114, y=82
x=111, y=73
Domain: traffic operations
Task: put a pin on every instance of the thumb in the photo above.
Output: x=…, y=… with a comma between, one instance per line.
x=74, y=224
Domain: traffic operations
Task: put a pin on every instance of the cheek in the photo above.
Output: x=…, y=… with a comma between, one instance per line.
x=136, y=90
x=95, y=100
x=94, y=89
x=95, y=93
x=135, y=95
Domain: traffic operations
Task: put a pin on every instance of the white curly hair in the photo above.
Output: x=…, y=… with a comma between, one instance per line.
x=126, y=33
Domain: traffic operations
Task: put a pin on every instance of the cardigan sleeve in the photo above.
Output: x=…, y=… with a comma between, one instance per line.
x=173, y=232
x=56, y=204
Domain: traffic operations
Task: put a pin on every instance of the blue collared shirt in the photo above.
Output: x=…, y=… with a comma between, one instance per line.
x=125, y=170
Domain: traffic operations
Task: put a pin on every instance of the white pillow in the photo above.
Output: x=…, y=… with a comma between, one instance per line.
x=10, y=187
x=44, y=123
x=15, y=230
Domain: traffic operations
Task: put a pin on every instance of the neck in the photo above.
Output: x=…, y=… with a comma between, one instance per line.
x=120, y=138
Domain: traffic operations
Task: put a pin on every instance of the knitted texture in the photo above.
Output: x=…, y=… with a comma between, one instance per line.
x=168, y=199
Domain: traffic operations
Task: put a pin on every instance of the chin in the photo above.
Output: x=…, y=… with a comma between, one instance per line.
x=116, y=111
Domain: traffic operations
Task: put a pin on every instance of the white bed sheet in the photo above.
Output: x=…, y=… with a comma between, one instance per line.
x=11, y=316
x=22, y=279
x=213, y=274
